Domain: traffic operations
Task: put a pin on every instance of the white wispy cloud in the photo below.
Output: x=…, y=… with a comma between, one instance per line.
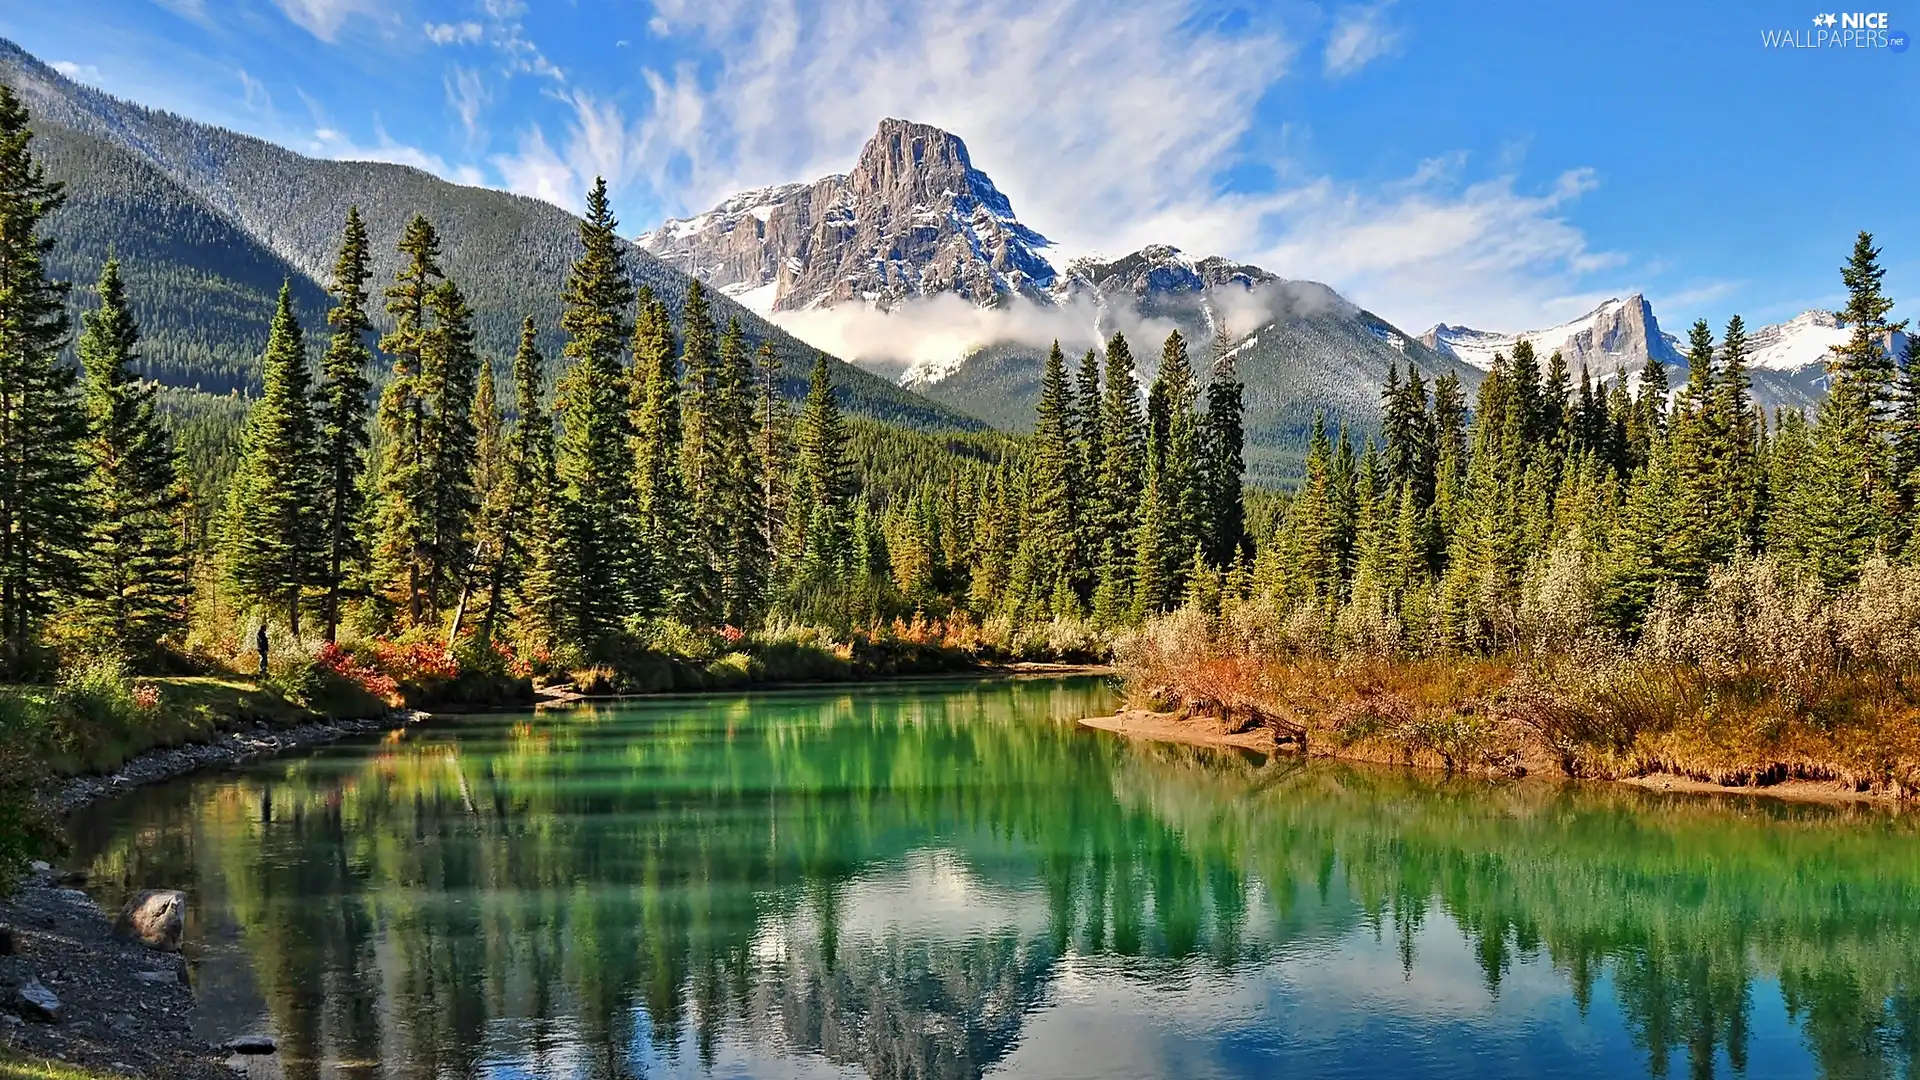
x=468, y=96
x=598, y=140
x=254, y=92
x=454, y=33
x=323, y=18
x=1360, y=35
x=81, y=73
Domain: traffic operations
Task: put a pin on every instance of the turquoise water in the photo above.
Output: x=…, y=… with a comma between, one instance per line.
x=955, y=880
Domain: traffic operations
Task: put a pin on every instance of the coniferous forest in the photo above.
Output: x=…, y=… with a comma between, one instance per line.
x=1596, y=566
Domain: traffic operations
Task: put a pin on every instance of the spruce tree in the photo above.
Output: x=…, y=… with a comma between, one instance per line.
x=1224, y=517
x=43, y=514
x=137, y=574
x=340, y=413
x=449, y=374
x=736, y=486
x=660, y=577
x=1053, y=482
x=702, y=446
x=1737, y=431
x=273, y=532
x=406, y=478
x=772, y=420
x=528, y=472
x=1087, y=428
x=492, y=487
x=823, y=484
x=1122, y=451
x=593, y=455
x=1180, y=458
x=1906, y=442
x=1700, y=530
x=1852, y=502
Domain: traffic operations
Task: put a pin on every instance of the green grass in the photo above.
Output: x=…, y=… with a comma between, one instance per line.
x=17, y=1066
x=191, y=709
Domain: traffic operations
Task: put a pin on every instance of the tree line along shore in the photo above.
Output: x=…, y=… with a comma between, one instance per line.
x=1595, y=569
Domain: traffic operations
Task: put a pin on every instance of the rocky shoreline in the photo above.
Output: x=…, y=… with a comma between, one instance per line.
x=73, y=990
x=230, y=747
x=77, y=993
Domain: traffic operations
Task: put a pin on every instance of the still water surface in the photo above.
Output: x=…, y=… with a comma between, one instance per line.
x=952, y=880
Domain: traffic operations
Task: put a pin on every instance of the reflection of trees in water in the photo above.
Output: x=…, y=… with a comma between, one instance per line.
x=587, y=891
x=1685, y=902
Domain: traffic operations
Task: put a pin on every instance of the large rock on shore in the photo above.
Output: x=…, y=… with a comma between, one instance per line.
x=154, y=918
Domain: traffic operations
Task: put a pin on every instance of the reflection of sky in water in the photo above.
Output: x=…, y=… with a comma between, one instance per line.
x=1334, y=1004
x=917, y=893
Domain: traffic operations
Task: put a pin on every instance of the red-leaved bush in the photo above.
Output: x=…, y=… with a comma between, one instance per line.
x=344, y=665
x=416, y=663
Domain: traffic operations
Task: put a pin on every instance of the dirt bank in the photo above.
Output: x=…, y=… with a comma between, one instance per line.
x=1171, y=728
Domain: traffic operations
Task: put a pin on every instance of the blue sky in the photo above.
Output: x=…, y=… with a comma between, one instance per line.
x=1499, y=165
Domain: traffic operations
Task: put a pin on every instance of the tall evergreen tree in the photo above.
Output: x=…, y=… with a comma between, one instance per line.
x=1852, y=499
x=275, y=500
x=823, y=484
x=735, y=486
x=593, y=454
x=340, y=412
x=1224, y=513
x=772, y=420
x=1053, y=484
x=1122, y=451
x=702, y=445
x=660, y=580
x=137, y=572
x=43, y=514
x=527, y=465
x=1738, y=432
x=406, y=478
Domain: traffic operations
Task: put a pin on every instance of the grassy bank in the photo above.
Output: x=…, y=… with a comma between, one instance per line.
x=1756, y=680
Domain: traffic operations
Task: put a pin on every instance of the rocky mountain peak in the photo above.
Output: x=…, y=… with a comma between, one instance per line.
x=1618, y=335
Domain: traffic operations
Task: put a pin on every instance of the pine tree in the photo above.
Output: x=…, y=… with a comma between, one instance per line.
x=406, y=478
x=527, y=464
x=737, y=490
x=277, y=490
x=1700, y=531
x=772, y=419
x=701, y=447
x=1053, y=482
x=492, y=481
x=823, y=484
x=1122, y=452
x=1738, y=433
x=1087, y=430
x=1224, y=517
x=340, y=412
x=1906, y=442
x=137, y=585
x=43, y=515
x=449, y=378
x=1179, y=455
x=1851, y=498
x=593, y=454
x=660, y=500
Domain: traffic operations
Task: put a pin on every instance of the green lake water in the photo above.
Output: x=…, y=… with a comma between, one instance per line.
x=954, y=880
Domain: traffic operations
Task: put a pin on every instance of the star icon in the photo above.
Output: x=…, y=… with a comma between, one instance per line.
x=1830, y=19
x=1819, y=20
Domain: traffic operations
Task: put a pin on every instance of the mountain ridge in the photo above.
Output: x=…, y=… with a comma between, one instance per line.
x=509, y=253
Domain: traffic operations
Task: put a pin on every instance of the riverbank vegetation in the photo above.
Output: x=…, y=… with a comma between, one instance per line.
x=1607, y=580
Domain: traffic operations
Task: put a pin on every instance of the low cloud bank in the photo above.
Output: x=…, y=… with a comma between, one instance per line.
x=932, y=334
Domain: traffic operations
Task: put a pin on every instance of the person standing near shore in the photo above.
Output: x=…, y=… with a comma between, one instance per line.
x=260, y=646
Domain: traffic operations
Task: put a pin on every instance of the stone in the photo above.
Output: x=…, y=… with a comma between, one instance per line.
x=154, y=918
x=36, y=1002
x=39, y=866
x=123, y=1024
x=250, y=1044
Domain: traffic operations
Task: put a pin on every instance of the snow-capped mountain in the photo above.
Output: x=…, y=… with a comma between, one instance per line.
x=1805, y=341
x=913, y=218
x=882, y=252
x=1619, y=335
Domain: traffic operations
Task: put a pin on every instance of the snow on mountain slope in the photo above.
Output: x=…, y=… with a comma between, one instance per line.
x=1802, y=341
x=1617, y=335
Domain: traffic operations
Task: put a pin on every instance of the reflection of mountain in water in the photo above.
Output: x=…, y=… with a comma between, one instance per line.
x=898, y=881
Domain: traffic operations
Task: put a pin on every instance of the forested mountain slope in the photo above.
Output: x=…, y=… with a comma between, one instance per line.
x=222, y=216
